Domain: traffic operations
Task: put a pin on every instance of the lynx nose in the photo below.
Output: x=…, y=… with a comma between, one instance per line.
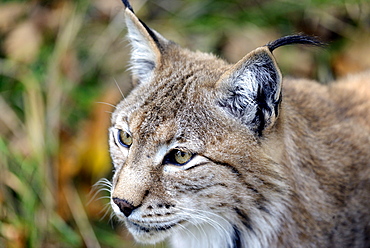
x=125, y=207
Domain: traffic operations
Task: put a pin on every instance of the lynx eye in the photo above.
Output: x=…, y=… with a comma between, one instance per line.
x=124, y=138
x=181, y=157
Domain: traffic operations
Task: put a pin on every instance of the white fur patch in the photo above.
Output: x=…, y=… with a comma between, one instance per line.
x=209, y=231
x=143, y=55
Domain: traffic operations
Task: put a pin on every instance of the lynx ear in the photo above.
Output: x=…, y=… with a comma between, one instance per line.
x=251, y=90
x=146, y=44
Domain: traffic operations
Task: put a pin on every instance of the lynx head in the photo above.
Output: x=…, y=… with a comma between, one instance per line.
x=188, y=144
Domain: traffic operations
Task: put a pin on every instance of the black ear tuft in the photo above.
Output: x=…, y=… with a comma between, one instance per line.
x=128, y=5
x=295, y=39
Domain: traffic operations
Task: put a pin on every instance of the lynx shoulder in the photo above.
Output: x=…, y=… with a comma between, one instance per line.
x=212, y=154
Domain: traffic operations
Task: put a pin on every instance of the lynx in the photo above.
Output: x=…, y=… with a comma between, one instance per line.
x=212, y=154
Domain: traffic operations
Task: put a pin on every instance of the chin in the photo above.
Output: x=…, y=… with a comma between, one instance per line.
x=150, y=234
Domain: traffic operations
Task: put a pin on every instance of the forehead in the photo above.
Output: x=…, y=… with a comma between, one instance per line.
x=179, y=98
x=171, y=110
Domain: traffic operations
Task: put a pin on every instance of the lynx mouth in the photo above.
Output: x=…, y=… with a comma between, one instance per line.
x=152, y=228
x=152, y=232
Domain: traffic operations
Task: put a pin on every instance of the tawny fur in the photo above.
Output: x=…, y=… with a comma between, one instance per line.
x=301, y=181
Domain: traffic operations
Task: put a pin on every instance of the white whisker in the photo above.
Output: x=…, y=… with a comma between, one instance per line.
x=202, y=215
x=188, y=231
x=109, y=104
x=119, y=88
x=106, y=210
x=111, y=216
x=103, y=185
x=221, y=230
x=208, y=227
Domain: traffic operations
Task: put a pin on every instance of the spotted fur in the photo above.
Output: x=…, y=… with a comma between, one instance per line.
x=274, y=163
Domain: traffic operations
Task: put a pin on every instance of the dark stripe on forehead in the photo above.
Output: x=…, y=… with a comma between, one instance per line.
x=162, y=103
x=173, y=91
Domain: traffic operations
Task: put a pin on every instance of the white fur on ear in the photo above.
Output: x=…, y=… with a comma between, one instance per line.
x=251, y=89
x=145, y=53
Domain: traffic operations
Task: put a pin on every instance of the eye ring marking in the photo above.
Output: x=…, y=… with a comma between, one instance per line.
x=178, y=157
x=124, y=138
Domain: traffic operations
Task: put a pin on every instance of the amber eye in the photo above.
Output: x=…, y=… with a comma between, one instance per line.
x=124, y=138
x=181, y=157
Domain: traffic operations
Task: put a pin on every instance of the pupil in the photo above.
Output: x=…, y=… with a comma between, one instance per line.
x=180, y=154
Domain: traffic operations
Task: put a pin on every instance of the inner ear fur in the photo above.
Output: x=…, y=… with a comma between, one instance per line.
x=251, y=90
x=147, y=46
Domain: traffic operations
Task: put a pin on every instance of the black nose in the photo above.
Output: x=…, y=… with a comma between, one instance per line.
x=125, y=207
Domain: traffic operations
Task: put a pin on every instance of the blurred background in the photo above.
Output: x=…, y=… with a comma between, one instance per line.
x=63, y=64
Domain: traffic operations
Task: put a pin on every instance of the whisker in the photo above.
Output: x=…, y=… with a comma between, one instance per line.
x=103, y=197
x=112, y=215
x=106, y=210
x=119, y=88
x=109, y=104
x=197, y=225
x=188, y=231
x=103, y=185
x=202, y=215
x=104, y=182
x=206, y=212
x=210, y=221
